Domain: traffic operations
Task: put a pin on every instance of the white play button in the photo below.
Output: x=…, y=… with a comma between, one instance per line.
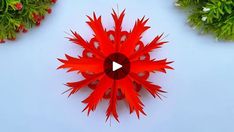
x=116, y=66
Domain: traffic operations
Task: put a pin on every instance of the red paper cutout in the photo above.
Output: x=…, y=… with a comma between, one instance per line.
x=123, y=47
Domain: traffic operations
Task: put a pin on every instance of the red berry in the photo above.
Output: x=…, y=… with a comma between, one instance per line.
x=2, y=41
x=25, y=30
x=21, y=27
x=17, y=30
x=53, y=1
x=49, y=10
x=38, y=23
x=18, y=6
x=12, y=39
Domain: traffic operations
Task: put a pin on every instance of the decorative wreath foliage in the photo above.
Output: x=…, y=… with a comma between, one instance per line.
x=96, y=63
x=211, y=16
x=20, y=15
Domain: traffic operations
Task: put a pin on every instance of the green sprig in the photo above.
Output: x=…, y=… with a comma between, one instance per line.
x=21, y=15
x=211, y=16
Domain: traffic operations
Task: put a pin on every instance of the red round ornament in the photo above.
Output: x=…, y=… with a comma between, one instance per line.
x=115, y=64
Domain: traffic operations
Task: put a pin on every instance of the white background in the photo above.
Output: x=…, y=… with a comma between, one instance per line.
x=200, y=89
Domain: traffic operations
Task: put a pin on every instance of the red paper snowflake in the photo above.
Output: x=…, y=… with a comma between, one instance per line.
x=115, y=64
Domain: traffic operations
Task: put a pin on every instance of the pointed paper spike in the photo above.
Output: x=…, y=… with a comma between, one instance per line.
x=101, y=35
x=148, y=48
x=130, y=109
x=95, y=97
x=82, y=64
x=131, y=95
x=121, y=14
x=118, y=27
x=112, y=104
x=118, y=19
x=94, y=16
x=149, y=66
x=99, y=18
x=67, y=91
x=76, y=86
x=129, y=45
x=153, y=89
x=77, y=39
x=61, y=60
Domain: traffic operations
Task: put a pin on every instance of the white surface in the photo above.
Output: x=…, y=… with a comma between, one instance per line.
x=200, y=89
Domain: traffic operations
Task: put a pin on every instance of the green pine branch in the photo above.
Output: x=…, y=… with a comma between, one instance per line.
x=211, y=16
x=21, y=15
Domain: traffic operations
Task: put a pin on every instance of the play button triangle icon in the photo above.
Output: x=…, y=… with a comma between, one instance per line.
x=116, y=66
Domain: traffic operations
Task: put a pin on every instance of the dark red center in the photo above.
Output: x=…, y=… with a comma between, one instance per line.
x=119, y=73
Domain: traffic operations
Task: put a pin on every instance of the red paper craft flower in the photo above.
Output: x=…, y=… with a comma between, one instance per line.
x=115, y=64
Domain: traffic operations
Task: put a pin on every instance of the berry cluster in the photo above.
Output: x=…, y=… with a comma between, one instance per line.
x=211, y=16
x=20, y=15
